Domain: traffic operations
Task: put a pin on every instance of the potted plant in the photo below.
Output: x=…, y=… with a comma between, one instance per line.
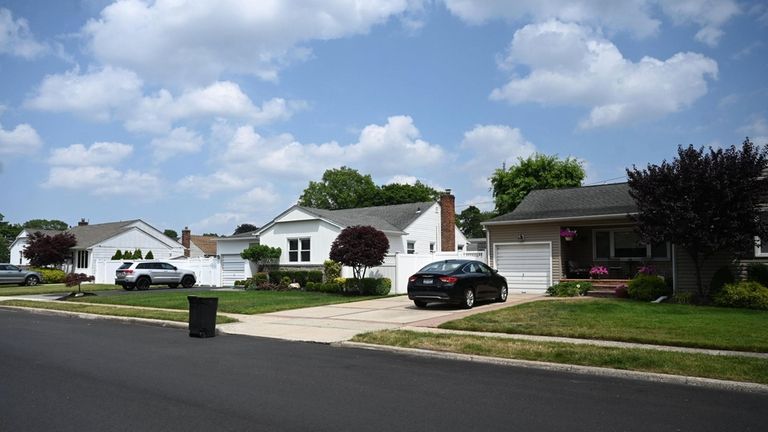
x=598, y=272
x=568, y=234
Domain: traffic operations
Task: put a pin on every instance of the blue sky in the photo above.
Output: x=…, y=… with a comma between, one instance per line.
x=210, y=114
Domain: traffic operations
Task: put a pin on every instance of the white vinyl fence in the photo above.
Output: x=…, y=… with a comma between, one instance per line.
x=399, y=267
x=207, y=270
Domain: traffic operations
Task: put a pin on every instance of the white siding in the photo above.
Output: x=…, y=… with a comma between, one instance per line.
x=229, y=247
x=320, y=233
x=133, y=239
x=424, y=230
x=17, y=250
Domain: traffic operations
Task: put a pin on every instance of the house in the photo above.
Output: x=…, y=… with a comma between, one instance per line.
x=305, y=234
x=233, y=267
x=527, y=248
x=99, y=242
x=196, y=246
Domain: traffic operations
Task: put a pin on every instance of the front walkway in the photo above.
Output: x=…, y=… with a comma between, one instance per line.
x=341, y=322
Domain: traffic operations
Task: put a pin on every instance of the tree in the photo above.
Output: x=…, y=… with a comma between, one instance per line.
x=73, y=279
x=45, y=224
x=244, y=228
x=469, y=221
x=8, y=233
x=118, y=255
x=340, y=188
x=261, y=255
x=212, y=234
x=360, y=247
x=539, y=171
x=149, y=255
x=703, y=202
x=45, y=250
x=171, y=233
x=137, y=254
x=396, y=193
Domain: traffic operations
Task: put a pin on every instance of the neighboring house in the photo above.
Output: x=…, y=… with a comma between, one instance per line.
x=233, y=267
x=99, y=242
x=477, y=244
x=305, y=234
x=196, y=246
x=526, y=247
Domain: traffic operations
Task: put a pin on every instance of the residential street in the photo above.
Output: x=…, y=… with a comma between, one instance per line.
x=71, y=374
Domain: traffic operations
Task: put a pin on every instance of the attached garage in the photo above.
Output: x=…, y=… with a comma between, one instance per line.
x=526, y=266
x=232, y=269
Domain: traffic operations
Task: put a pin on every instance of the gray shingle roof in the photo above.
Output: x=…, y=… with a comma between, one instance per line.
x=89, y=235
x=610, y=199
x=395, y=218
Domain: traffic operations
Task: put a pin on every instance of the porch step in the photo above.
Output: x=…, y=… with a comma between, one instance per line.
x=602, y=293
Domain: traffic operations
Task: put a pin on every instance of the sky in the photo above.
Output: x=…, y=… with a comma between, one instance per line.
x=210, y=114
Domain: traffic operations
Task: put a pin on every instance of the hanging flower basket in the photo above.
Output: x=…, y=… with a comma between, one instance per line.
x=568, y=234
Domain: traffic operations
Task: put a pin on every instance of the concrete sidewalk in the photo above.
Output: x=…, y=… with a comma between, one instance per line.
x=341, y=322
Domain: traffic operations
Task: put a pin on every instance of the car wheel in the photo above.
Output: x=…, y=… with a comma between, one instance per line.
x=469, y=299
x=143, y=283
x=187, y=281
x=503, y=292
x=420, y=303
x=172, y=286
x=128, y=287
x=31, y=281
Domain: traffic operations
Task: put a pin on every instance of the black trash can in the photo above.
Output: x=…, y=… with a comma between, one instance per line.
x=202, y=316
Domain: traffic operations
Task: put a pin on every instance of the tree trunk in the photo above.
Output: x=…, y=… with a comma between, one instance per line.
x=696, y=257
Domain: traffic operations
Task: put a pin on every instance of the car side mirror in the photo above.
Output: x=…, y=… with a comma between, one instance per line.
x=174, y=267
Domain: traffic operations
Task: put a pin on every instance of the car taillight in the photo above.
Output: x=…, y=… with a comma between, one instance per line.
x=129, y=271
x=412, y=279
x=449, y=279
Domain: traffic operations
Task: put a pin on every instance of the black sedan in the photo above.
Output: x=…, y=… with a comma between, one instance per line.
x=456, y=281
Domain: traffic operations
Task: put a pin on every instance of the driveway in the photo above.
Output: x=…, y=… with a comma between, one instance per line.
x=340, y=322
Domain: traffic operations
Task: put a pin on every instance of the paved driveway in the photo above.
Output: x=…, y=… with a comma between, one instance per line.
x=340, y=322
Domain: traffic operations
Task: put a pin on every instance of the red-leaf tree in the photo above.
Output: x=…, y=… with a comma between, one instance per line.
x=73, y=279
x=360, y=247
x=45, y=250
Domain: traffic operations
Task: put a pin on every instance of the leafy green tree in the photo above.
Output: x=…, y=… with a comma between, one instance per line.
x=470, y=219
x=261, y=255
x=359, y=247
x=212, y=234
x=244, y=228
x=45, y=250
x=118, y=255
x=137, y=254
x=8, y=233
x=171, y=233
x=149, y=255
x=340, y=188
x=45, y=224
x=539, y=171
x=396, y=193
x=704, y=202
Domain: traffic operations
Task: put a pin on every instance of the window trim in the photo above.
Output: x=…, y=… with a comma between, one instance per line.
x=299, y=250
x=758, y=248
x=612, y=247
x=410, y=247
x=82, y=255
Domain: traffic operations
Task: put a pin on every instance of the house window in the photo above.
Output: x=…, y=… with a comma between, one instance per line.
x=82, y=259
x=461, y=248
x=761, y=248
x=411, y=249
x=626, y=244
x=298, y=250
x=431, y=247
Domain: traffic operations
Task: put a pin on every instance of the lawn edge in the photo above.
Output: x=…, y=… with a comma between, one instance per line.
x=710, y=383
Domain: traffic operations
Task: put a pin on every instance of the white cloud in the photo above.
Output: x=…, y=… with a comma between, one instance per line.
x=178, y=141
x=97, y=94
x=198, y=41
x=97, y=180
x=217, y=221
x=23, y=139
x=403, y=179
x=100, y=153
x=634, y=16
x=258, y=198
x=482, y=202
x=16, y=38
x=491, y=146
x=756, y=129
x=205, y=186
x=570, y=65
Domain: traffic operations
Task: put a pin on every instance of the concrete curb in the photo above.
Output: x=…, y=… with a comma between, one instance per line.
x=558, y=367
x=132, y=320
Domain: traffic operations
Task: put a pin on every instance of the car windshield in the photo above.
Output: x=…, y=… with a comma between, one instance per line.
x=125, y=266
x=440, y=267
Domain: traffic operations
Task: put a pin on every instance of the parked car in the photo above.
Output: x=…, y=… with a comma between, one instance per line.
x=141, y=275
x=10, y=274
x=456, y=281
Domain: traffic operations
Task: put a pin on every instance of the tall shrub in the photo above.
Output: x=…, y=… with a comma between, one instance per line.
x=360, y=247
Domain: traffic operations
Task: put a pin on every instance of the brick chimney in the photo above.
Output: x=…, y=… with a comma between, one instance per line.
x=447, y=221
x=186, y=236
x=82, y=222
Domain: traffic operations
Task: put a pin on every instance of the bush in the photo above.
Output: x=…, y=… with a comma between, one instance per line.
x=750, y=295
x=758, y=273
x=265, y=286
x=569, y=289
x=325, y=287
x=621, y=291
x=285, y=281
x=331, y=270
x=299, y=276
x=259, y=278
x=51, y=276
x=241, y=282
x=647, y=288
x=722, y=276
x=118, y=255
x=376, y=286
x=149, y=256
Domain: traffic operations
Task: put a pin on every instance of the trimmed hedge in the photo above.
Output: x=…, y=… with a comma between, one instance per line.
x=300, y=276
x=370, y=286
x=749, y=295
x=647, y=288
x=51, y=276
x=569, y=289
x=325, y=287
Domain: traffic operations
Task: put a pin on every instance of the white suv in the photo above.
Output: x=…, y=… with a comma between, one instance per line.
x=141, y=275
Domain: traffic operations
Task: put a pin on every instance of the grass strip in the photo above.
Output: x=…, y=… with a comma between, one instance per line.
x=730, y=368
x=628, y=321
x=242, y=302
x=111, y=311
x=10, y=290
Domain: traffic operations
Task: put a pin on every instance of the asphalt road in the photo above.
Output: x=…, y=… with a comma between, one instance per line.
x=70, y=374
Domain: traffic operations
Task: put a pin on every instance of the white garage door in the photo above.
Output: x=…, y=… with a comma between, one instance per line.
x=232, y=269
x=527, y=266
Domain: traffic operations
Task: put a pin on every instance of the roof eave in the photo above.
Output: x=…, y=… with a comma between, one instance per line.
x=558, y=219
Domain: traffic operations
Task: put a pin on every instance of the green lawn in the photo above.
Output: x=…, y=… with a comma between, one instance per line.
x=111, y=310
x=700, y=365
x=9, y=290
x=629, y=321
x=243, y=302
